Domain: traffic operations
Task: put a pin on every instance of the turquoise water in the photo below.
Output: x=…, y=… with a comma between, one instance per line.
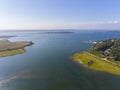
x=46, y=64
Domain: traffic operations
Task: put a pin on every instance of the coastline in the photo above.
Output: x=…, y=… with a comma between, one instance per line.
x=8, y=48
x=8, y=36
x=96, y=63
x=12, y=52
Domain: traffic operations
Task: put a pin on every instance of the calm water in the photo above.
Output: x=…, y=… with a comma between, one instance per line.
x=46, y=64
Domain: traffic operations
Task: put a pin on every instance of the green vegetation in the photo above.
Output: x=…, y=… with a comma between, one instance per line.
x=103, y=56
x=96, y=63
x=109, y=49
x=11, y=52
x=8, y=48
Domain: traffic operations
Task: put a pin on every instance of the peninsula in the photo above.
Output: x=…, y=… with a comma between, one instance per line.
x=103, y=56
x=8, y=48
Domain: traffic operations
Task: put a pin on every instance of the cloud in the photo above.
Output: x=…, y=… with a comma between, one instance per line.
x=115, y=24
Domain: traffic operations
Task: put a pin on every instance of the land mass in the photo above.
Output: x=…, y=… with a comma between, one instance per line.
x=57, y=32
x=103, y=56
x=8, y=48
x=7, y=36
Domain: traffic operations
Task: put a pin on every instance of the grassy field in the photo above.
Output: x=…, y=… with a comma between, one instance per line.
x=96, y=63
x=11, y=52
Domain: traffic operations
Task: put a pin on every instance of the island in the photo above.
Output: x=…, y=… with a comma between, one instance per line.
x=7, y=36
x=57, y=32
x=8, y=48
x=103, y=56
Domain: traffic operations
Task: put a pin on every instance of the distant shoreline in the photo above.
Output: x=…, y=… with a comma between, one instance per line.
x=56, y=32
x=7, y=36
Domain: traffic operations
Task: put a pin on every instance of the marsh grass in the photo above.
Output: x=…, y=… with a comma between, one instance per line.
x=11, y=52
x=98, y=63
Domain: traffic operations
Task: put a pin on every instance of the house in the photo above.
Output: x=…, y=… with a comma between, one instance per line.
x=107, y=52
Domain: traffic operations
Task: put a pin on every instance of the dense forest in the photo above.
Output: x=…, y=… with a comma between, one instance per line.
x=109, y=49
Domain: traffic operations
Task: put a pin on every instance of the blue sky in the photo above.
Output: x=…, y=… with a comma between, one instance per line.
x=59, y=14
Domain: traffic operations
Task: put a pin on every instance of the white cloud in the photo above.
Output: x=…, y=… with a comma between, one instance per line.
x=4, y=24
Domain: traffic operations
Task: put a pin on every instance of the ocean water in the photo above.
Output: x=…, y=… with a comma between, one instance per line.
x=46, y=65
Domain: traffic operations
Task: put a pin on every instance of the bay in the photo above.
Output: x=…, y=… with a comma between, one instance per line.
x=46, y=65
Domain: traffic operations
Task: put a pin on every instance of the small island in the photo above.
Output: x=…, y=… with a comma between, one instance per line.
x=57, y=32
x=103, y=56
x=8, y=48
x=7, y=36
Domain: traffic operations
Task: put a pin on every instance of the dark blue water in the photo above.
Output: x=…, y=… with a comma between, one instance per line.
x=46, y=65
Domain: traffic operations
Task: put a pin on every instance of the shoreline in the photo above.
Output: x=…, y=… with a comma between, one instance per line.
x=8, y=36
x=93, y=62
x=8, y=48
x=11, y=53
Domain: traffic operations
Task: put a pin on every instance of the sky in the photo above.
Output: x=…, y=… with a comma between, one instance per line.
x=60, y=14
